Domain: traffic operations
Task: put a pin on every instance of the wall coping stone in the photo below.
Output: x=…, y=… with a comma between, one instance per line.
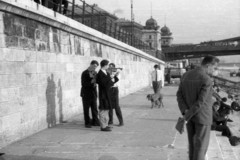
x=34, y=11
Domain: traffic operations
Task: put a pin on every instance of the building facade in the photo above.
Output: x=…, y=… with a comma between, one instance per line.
x=152, y=36
x=166, y=38
x=130, y=27
x=96, y=18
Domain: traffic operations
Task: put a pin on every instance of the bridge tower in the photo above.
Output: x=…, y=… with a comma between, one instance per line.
x=151, y=34
x=166, y=38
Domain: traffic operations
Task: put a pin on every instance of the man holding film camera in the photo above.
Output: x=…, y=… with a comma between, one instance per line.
x=115, y=96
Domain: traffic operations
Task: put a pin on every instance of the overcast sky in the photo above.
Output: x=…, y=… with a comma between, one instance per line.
x=190, y=21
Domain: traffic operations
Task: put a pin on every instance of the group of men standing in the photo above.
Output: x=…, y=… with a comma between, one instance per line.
x=108, y=95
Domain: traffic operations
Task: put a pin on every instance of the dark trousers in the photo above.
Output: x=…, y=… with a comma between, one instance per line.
x=44, y=2
x=198, y=139
x=57, y=3
x=37, y=1
x=87, y=104
x=115, y=104
x=224, y=129
x=157, y=85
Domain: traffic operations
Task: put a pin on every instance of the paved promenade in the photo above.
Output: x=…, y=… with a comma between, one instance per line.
x=148, y=134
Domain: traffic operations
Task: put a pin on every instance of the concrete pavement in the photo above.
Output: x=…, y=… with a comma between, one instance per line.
x=148, y=134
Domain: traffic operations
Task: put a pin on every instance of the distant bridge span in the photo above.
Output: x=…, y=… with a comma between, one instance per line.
x=224, y=47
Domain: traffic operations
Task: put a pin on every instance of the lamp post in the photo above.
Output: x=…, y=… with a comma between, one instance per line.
x=132, y=22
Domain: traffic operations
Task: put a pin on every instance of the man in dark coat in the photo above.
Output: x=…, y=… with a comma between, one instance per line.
x=105, y=82
x=89, y=95
x=194, y=98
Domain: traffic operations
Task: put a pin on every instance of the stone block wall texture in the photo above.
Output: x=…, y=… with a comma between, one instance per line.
x=40, y=74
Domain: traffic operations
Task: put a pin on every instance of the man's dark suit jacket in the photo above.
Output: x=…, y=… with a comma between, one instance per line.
x=88, y=89
x=195, y=94
x=104, y=84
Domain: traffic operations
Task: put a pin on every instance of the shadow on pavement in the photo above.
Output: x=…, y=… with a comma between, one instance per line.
x=143, y=107
x=28, y=157
x=151, y=119
x=75, y=127
x=107, y=157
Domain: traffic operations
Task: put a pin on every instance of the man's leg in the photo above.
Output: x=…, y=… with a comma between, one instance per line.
x=117, y=107
x=224, y=129
x=103, y=117
x=154, y=84
x=65, y=4
x=37, y=1
x=202, y=137
x=110, y=114
x=158, y=86
x=191, y=132
x=95, y=120
x=86, y=106
x=113, y=106
x=45, y=3
x=55, y=5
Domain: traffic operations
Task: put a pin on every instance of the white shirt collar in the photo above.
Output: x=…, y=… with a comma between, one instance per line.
x=104, y=71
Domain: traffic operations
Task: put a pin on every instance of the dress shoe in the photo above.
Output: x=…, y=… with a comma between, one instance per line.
x=121, y=124
x=88, y=126
x=109, y=127
x=106, y=129
x=229, y=120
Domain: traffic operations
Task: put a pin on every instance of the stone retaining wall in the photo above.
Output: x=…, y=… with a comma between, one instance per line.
x=42, y=56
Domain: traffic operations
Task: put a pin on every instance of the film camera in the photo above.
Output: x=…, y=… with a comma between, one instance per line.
x=113, y=70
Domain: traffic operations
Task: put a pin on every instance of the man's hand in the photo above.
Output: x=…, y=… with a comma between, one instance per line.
x=117, y=73
x=186, y=115
x=112, y=76
x=93, y=80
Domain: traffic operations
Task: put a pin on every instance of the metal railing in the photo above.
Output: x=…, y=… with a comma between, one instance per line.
x=90, y=16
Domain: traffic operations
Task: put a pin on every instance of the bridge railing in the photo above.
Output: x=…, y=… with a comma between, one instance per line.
x=232, y=44
x=88, y=15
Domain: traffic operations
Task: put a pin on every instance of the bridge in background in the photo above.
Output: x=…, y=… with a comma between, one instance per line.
x=224, y=47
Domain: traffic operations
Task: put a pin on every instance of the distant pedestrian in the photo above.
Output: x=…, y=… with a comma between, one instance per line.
x=192, y=66
x=188, y=68
x=89, y=95
x=115, y=98
x=105, y=82
x=168, y=76
x=194, y=98
x=157, y=79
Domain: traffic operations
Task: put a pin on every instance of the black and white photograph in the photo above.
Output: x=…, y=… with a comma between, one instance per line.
x=119, y=80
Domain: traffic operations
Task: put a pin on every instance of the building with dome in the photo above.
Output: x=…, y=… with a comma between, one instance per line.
x=166, y=37
x=151, y=34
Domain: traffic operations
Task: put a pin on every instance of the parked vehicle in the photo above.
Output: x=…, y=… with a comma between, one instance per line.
x=235, y=73
x=174, y=69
